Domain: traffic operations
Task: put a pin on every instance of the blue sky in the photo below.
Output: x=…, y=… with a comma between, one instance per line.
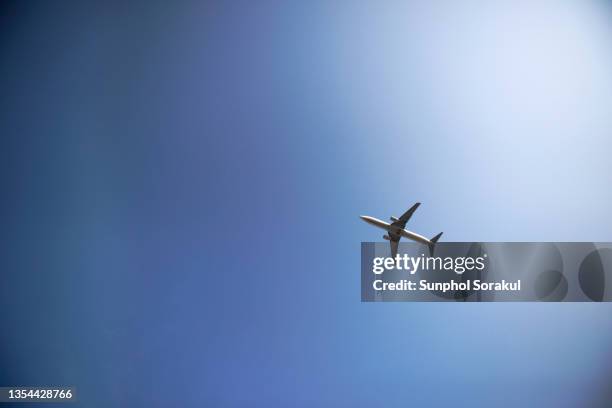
x=183, y=186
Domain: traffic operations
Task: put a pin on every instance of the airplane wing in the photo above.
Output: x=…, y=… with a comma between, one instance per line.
x=401, y=222
x=394, y=245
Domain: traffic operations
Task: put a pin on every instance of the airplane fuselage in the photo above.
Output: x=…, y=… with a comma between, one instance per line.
x=394, y=230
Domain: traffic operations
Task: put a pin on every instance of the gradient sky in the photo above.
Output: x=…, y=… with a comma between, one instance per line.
x=182, y=183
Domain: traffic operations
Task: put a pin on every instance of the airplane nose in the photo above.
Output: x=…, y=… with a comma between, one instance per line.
x=366, y=218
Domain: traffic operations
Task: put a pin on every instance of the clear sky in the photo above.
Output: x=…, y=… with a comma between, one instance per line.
x=182, y=184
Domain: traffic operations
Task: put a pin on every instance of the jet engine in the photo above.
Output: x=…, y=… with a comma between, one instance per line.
x=393, y=219
x=386, y=237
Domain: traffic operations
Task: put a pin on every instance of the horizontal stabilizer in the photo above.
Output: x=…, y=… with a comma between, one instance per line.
x=433, y=242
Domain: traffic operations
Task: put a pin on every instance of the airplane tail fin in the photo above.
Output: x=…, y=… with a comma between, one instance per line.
x=433, y=242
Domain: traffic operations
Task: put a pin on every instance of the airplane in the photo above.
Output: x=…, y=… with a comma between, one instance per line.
x=396, y=230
